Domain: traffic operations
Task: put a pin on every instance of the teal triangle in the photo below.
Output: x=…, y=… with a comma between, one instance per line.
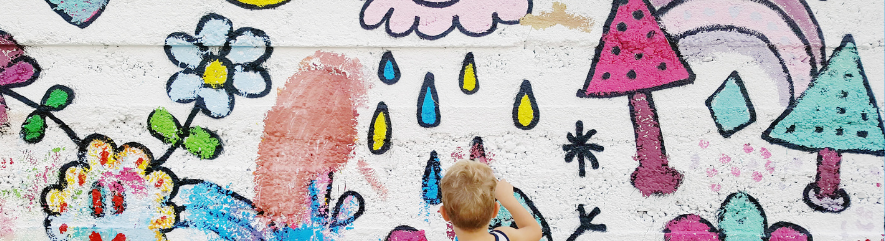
x=730, y=106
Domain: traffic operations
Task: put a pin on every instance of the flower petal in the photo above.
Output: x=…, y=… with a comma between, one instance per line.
x=216, y=103
x=251, y=82
x=23, y=71
x=182, y=50
x=213, y=30
x=249, y=45
x=183, y=86
x=9, y=49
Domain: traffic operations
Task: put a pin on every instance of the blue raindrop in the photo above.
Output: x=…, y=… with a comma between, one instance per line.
x=388, y=70
x=430, y=182
x=428, y=103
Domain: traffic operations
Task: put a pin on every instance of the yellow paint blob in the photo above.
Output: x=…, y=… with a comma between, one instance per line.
x=380, y=131
x=469, y=78
x=261, y=3
x=215, y=74
x=526, y=114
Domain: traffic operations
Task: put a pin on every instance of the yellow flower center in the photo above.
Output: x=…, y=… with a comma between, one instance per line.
x=215, y=74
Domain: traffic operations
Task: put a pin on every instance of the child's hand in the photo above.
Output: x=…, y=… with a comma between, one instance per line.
x=503, y=190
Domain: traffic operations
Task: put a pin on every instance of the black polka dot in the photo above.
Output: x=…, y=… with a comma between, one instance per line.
x=662, y=66
x=862, y=134
x=631, y=74
x=638, y=14
x=844, y=94
x=849, y=75
x=606, y=75
x=616, y=50
x=839, y=131
x=650, y=34
x=622, y=26
x=863, y=116
x=791, y=129
x=818, y=129
x=637, y=56
x=840, y=110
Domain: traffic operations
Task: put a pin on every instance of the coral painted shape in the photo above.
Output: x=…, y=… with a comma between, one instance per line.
x=434, y=19
x=634, y=58
x=80, y=13
x=836, y=114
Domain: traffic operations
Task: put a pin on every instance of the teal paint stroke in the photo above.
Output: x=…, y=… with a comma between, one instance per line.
x=79, y=11
x=730, y=106
x=741, y=218
x=837, y=111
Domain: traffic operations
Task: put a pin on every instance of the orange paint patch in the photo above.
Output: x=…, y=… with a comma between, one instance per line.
x=558, y=17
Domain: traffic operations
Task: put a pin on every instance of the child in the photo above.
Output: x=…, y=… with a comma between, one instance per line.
x=468, y=191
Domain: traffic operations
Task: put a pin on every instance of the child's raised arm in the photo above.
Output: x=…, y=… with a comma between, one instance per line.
x=528, y=229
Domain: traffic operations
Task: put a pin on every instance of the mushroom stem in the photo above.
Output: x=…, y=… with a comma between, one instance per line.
x=653, y=176
x=828, y=165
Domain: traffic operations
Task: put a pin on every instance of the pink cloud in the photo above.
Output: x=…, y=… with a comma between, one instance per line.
x=434, y=19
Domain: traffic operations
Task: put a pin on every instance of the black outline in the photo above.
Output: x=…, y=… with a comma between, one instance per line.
x=545, y=229
x=250, y=68
x=414, y=28
x=476, y=146
x=786, y=18
x=838, y=193
x=22, y=58
x=388, y=56
x=794, y=227
x=380, y=110
x=760, y=36
x=268, y=48
x=712, y=229
x=82, y=163
x=581, y=149
x=585, y=225
x=526, y=89
x=218, y=150
x=582, y=93
x=436, y=4
x=336, y=211
x=468, y=59
x=709, y=102
x=49, y=91
x=720, y=214
x=429, y=83
x=69, y=19
x=432, y=166
x=42, y=133
x=256, y=7
x=766, y=134
x=159, y=135
x=400, y=228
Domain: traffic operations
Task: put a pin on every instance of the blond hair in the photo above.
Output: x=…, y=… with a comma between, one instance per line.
x=468, y=194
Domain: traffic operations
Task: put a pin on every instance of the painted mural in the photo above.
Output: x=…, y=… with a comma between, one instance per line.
x=297, y=120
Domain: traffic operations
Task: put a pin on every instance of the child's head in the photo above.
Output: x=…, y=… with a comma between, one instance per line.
x=468, y=195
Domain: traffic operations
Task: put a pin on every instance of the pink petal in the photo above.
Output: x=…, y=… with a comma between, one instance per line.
x=18, y=73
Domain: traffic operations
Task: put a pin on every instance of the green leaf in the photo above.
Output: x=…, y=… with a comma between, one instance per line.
x=203, y=143
x=164, y=126
x=57, y=97
x=34, y=128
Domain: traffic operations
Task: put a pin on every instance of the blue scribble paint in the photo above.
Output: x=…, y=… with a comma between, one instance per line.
x=388, y=70
x=80, y=13
x=730, y=106
x=430, y=191
x=428, y=103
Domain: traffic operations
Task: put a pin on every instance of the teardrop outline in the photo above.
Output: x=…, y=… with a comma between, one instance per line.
x=428, y=84
x=468, y=60
x=381, y=109
x=526, y=89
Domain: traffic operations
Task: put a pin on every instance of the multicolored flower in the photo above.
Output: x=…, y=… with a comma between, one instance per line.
x=16, y=69
x=110, y=193
x=218, y=62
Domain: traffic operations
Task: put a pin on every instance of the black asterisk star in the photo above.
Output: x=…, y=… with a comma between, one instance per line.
x=580, y=148
x=586, y=218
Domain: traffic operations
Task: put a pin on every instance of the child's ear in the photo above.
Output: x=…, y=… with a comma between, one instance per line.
x=442, y=211
x=497, y=208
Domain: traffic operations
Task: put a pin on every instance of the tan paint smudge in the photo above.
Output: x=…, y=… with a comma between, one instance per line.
x=308, y=133
x=558, y=16
x=370, y=176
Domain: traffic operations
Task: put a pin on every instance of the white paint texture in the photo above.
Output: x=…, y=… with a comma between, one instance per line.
x=118, y=69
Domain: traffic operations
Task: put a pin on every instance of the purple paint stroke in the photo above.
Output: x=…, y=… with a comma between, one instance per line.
x=653, y=176
x=696, y=48
x=828, y=172
x=800, y=13
x=751, y=16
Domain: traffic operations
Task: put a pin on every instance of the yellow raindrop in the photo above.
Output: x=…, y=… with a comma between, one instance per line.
x=469, y=78
x=380, y=134
x=526, y=114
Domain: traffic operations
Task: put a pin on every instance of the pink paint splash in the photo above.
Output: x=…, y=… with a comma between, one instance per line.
x=757, y=176
x=431, y=22
x=769, y=166
x=309, y=132
x=7, y=222
x=690, y=227
x=370, y=176
x=724, y=159
x=736, y=171
x=712, y=172
x=450, y=231
x=704, y=144
x=458, y=154
x=788, y=234
x=478, y=152
x=715, y=187
x=748, y=148
x=765, y=153
x=406, y=235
